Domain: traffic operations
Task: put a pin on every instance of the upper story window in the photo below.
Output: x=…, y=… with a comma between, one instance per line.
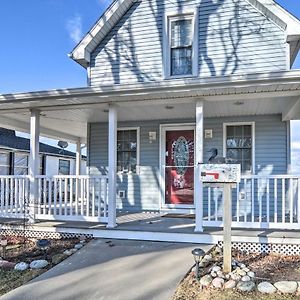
x=239, y=145
x=181, y=46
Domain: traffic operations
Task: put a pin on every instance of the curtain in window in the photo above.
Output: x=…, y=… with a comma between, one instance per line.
x=181, y=47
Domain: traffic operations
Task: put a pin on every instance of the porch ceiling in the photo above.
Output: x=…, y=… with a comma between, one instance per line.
x=65, y=113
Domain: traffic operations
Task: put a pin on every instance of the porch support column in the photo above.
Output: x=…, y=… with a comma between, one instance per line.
x=34, y=163
x=112, y=166
x=198, y=187
x=78, y=158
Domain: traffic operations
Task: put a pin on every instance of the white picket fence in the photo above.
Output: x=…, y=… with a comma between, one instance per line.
x=74, y=198
x=258, y=202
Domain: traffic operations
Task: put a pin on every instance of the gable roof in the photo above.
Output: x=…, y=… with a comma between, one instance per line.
x=82, y=52
x=9, y=140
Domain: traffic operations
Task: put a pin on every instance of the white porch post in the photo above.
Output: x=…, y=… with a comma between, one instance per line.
x=112, y=166
x=34, y=163
x=78, y=158
x=198, y=187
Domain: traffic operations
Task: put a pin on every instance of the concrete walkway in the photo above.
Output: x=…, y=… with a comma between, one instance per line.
x=124, y=270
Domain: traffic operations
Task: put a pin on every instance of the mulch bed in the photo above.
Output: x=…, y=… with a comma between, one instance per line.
x=24, y=249
x=267, y=267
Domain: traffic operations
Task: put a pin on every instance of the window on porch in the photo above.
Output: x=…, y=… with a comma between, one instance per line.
x=127, y=150
x=239, y=145
x=4, y=163
x=64, y=167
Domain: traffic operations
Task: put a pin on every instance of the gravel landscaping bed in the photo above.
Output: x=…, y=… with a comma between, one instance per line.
x=23, y=259
x=253, y=276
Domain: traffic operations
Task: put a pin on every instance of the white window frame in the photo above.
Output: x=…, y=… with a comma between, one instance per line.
x=173, y=16
x=252, y=140
x=19, y=167
x=137, y=149
x=66, y=159
x=6, y=166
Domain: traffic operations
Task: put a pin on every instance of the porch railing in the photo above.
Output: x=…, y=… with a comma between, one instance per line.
x=76, y=198
x=258, y=202
x=14, y=196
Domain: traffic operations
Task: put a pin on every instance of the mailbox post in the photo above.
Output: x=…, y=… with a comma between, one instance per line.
x=224, y=176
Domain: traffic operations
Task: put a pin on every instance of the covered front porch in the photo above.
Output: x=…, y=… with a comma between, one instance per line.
x=266, y=198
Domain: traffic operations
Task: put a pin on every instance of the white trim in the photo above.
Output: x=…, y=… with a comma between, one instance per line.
x=112, y=166
x=199, y=148
x=138, y=154
x=253, y=139
x=203, y=238
x=162, y=150
x=168, y=18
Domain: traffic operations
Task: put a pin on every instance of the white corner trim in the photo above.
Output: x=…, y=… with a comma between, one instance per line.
x=253, y=139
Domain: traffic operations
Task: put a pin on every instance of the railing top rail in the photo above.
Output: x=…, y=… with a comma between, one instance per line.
x=290, y=176
x=72, y=176
x=14, y=176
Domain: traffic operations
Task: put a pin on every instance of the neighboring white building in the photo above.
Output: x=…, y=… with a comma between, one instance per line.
x=14, y=157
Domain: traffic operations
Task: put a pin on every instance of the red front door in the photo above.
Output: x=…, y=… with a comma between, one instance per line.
x=179, y=173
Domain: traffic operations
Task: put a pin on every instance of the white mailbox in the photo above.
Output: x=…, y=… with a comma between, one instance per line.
x=220, y=173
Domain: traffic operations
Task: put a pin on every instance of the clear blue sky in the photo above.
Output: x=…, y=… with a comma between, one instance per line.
x=37, y=35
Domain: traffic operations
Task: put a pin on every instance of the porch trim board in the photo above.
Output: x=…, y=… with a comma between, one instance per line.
x=200, y=237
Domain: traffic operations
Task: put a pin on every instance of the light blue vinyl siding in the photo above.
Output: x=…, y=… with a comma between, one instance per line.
x=143, y=190
x=234, y=38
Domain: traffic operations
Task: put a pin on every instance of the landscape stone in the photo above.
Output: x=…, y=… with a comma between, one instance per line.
x=246, y=278
x=216, y=268
x=242, y=266
x=78, y=246
x=230, y=284
x=246, y=270
x=21, y=266
x=57, y=258
x=73, y=250
x=220, y=274
x=266, y=287
x=251, y=274
x=206, y=280
x=4, y=264
x=68, y=252
x=236, y=277
x=241, y=272
x=286, y=287
x=213, y=274
x=218, y=282
x=38, y=264
x=246, y=286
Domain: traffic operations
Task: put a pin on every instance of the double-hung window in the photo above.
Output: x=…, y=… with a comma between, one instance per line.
x=127, y=150
x=64, y=167
x=21, y=163
x=181, y=46
x=239, y=145
x=4, y=163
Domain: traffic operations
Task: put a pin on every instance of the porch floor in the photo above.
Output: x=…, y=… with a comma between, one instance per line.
x=156, y=226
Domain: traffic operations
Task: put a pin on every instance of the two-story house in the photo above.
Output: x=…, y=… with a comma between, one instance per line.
x=168, y=80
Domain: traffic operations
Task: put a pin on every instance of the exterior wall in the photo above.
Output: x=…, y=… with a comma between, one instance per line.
x=52, y=166
x=234, y=38
x=143, y=189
